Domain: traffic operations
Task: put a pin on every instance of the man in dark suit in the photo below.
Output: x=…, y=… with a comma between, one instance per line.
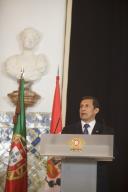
x=89, y=108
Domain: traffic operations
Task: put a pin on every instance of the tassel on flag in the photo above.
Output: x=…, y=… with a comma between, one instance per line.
x=16, y=179
x=56, y=121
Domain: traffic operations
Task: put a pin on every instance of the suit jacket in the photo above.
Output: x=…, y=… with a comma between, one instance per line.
x=76, y=128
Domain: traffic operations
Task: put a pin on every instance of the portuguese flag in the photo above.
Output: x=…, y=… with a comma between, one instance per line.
x=16, y=179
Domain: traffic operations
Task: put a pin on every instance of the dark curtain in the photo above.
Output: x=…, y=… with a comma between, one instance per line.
x=98, y=66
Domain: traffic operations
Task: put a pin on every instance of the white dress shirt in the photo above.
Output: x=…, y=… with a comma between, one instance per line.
x=91, y=124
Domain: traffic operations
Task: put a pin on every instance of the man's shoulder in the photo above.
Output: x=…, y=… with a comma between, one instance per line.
x=72, y=128
x=103, y=128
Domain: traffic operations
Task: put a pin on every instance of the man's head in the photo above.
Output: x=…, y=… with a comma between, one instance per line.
x=89, y=107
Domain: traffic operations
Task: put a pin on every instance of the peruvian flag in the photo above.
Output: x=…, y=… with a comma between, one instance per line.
x=53, y=170
x=56, y=121
x=16, y=179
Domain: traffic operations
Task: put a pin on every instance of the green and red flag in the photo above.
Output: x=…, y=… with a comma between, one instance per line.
x=16, y=179
x=56, y=119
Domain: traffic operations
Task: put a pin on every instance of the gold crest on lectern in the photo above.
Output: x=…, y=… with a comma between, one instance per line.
x=76, y=144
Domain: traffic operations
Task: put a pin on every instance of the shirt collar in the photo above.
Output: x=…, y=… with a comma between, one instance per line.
x=91, y=124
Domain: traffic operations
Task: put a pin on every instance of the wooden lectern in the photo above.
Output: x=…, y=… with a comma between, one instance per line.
x=79, y=154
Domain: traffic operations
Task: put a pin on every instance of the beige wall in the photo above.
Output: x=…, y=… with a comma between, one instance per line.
x=47, y=16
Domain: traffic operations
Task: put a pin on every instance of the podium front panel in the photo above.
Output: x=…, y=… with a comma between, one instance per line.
x=97, y=147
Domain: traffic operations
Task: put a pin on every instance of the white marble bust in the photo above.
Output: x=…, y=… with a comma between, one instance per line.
x=34, y=65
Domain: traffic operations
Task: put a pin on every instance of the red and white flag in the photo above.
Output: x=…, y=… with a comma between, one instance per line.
x=53, y=165
x=56, y=119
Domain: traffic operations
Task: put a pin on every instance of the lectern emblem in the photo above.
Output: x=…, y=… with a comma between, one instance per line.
x=76, y=144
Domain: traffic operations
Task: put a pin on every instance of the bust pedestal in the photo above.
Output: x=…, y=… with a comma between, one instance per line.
x=30, y=97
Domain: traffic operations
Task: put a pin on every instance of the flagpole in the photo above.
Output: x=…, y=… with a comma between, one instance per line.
x=22, y=73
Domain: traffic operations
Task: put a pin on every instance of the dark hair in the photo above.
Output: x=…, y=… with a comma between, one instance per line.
x=95, y=101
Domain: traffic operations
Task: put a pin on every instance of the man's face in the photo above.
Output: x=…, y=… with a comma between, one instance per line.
x=87, y=110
